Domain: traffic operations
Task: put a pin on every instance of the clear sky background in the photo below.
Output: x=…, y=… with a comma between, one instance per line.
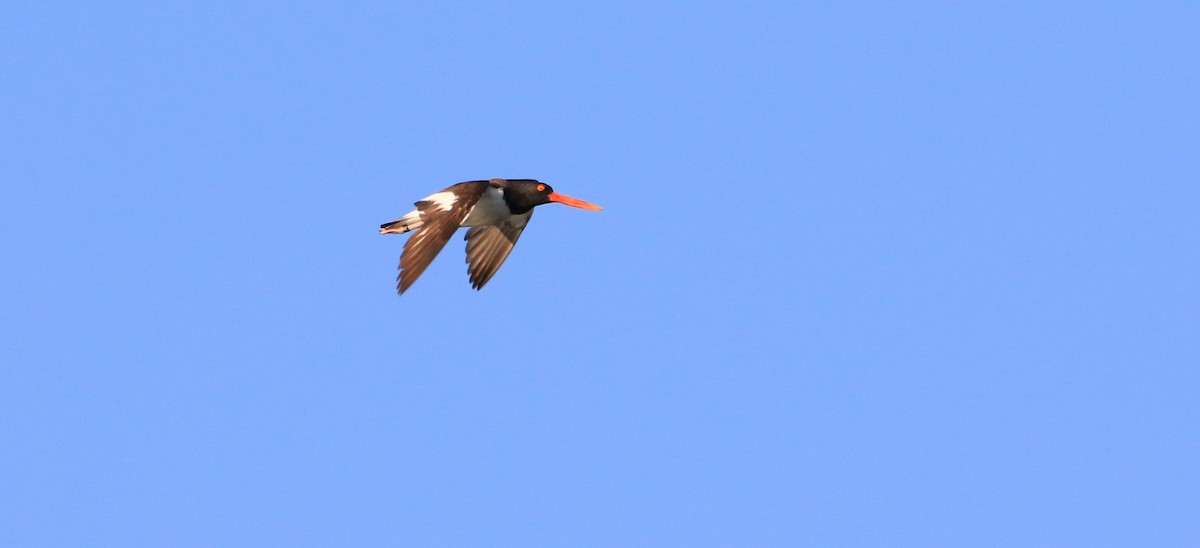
x=892, y=274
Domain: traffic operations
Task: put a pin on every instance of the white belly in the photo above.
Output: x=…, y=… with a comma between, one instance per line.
x=490, y=209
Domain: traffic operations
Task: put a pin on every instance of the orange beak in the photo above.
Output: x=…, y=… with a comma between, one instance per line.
x=573, y=202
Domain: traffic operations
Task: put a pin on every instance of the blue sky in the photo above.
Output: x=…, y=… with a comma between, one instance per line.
x=898, y=274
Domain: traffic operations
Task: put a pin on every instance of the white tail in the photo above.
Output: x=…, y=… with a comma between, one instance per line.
x=407, y=223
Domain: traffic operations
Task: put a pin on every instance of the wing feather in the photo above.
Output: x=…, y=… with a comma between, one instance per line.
x=438, y=225
x=488, y=246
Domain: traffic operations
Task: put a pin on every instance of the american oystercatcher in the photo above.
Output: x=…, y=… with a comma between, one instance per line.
x=497, y=212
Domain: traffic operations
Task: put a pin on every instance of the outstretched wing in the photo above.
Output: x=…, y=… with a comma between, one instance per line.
x=441, y=215
x=489, y=245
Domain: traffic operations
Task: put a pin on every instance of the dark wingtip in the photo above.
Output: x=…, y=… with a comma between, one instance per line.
x=400, y=284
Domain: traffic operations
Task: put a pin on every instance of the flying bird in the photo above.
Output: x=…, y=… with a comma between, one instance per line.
x=496, y=211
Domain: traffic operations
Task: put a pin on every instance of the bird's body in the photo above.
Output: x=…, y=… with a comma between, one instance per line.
x=496, y=212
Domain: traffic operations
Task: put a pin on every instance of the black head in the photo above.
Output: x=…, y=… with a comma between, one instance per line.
x=522, y=195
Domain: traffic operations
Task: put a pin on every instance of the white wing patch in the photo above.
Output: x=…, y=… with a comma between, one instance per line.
x=443, y=200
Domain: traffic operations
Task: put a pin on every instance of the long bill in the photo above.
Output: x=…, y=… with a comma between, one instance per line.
x=573, y=202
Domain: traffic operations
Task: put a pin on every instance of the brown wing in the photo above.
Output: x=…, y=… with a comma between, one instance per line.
x=488, y=246
x=438, y=225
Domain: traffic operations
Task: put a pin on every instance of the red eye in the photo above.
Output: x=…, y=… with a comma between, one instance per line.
x=541, y=187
